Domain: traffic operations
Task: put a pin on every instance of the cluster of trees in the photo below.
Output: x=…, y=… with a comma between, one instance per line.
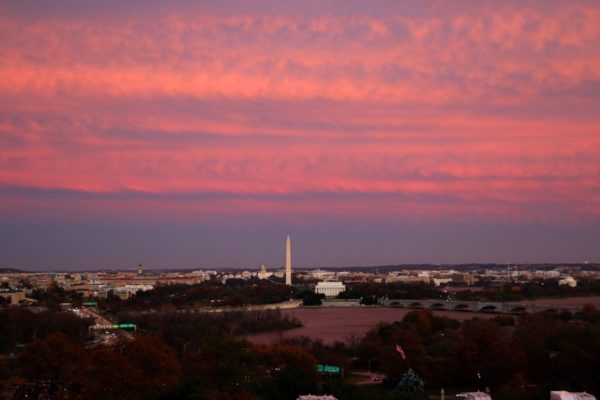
x=20, y=325
x=178, y=355
x=516, y=359
x=370, y=292
x=186, y=325
x=310, y=298
x=213, y=293
x=531, y=290
x=158, y=365
x=54, y=295
x=58, y=367
x=183, y=356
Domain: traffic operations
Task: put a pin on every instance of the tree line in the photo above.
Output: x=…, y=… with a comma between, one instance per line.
x=514, y=357
x=370, y=292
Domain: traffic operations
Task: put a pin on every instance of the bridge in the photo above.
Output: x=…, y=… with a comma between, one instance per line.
x=475, y=306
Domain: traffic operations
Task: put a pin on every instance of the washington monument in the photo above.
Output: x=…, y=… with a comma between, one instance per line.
x=288, y=261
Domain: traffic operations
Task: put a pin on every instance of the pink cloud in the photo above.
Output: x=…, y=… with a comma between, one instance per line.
x=250, y=56
x=492, y=107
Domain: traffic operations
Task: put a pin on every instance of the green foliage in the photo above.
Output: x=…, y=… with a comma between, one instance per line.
x=310, y=298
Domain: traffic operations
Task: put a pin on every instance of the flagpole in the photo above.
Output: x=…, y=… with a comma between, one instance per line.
x=403, y=355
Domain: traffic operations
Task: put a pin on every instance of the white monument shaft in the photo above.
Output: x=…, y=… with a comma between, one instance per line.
x=288, y=261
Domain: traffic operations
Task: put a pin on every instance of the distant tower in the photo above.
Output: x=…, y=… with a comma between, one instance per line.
x=140, y=270
x=288, y=261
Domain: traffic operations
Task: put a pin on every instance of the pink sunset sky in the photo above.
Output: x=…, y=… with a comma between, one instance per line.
x=185, y=134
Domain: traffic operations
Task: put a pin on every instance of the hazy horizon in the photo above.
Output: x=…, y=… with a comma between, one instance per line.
x=307, y=251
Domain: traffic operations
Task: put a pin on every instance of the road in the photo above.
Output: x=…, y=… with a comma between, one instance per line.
x=366, y=378
x=85, y=312
x=99, y=319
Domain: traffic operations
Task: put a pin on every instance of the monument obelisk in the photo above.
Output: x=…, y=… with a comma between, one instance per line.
x=288, y=261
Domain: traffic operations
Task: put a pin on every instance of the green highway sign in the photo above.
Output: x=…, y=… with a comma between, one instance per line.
x=123, y=326
x=328, y=369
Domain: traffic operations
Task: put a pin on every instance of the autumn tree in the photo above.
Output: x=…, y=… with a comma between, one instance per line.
x=55, y=367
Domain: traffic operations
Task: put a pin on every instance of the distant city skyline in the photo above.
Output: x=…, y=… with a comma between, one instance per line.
x=199, y=134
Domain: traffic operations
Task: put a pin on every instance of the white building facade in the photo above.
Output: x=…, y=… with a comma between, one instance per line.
x=330, y=289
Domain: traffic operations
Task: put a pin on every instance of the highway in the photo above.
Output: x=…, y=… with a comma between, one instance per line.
x=99, y=320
